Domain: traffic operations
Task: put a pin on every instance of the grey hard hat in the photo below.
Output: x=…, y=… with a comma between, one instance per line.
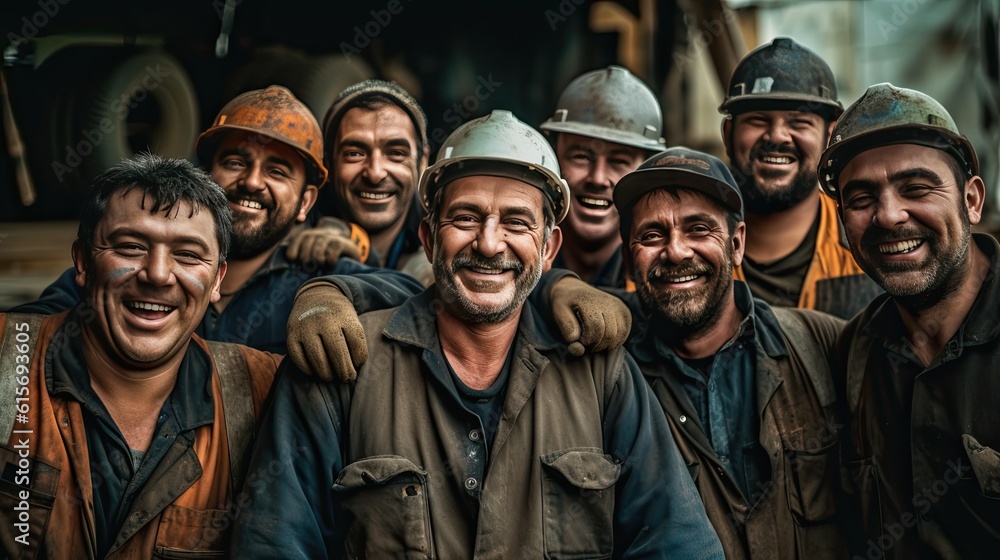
x=679, y=167
x=612, y=105
x=782, y=74
x=887, y=115
x=499, y=145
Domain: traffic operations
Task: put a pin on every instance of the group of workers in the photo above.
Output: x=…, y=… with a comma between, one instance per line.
x=569, y=341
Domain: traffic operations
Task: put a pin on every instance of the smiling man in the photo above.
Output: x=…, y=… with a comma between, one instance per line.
x=780, y=106
x=605, y=124
x=746, y=388
x=265, y=149
x=376, y=147
x=919, y=380
x=126, y=433
x=470, y=432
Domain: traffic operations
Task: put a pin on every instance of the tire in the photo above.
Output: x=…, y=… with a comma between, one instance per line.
x=145, y=102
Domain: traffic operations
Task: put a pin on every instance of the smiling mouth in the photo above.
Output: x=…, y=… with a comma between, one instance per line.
x=900, y=247
x=596, y=203
x=374, y=195
x=776, y=160
x=681, y=279
x=253, y=205
x=491, y=271
x=659, y=276
x=146, y=306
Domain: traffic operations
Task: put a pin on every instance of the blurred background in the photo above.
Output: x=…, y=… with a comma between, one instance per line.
x=87, y=82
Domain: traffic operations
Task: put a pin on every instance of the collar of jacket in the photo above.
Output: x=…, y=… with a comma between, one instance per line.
x=650, y=348
x=979, y=326
x=414, y=323
x=66, y=373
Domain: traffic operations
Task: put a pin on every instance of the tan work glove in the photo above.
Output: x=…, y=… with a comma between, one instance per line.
x=330, y=240
x=325, y=338
x=589, y=319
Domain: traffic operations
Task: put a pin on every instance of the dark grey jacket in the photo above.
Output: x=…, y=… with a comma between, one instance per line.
x=795, y=514
x=952, y=508
x=582, y=466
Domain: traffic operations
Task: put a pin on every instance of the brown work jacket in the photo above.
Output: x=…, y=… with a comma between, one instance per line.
x=795, y=515
x=185, y=506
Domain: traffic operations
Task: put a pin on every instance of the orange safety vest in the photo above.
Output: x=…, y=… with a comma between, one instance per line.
x=187, y=506
x=832, y=258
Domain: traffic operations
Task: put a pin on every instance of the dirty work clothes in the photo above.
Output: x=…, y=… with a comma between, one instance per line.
x=922, y=446
x=87, y=499
x=723, y=395
x=833, y=283
x=258, y=313
x=582, y=465
x=790, y=466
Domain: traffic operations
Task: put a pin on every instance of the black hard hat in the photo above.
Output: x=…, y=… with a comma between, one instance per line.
x=782, y=74
x=678, y=167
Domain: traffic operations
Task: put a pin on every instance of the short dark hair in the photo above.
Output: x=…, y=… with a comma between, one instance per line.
x=164, y=182
x=959, y=169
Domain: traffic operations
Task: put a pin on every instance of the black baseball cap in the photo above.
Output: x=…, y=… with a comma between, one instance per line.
x=678, y=167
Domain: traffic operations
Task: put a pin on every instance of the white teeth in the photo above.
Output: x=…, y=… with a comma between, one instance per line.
x=374, y=196
x=899, y=247
x=674, y=280
x=595, y=202
x=779, y=160
x=250, y=204
x=149, y=306
x=486, y=270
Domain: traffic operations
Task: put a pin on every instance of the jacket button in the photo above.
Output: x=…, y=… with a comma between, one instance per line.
x=474, y=435
x=471, y=483
x=683, y=418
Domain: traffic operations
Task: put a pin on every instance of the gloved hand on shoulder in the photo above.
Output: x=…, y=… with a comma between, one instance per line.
x=330, y=240
x=589, y=319
x=325, y=337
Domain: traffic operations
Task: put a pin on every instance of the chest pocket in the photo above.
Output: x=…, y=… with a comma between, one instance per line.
x=985, y=463
x=811, y=477
x=579, y=500
x=27, y=492
x=190, y=533
x=387, y=497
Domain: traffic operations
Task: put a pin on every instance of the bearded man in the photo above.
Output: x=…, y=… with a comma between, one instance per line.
x=470, y=433
x=746, y=388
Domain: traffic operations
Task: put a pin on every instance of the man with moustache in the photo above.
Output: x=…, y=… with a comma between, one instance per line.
x=469, y=433
x=376, y=147
x=918, y=381
x=265, y=149
x=605, y=124
x=746, y=388
x=122, y=441
x=780, y=106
